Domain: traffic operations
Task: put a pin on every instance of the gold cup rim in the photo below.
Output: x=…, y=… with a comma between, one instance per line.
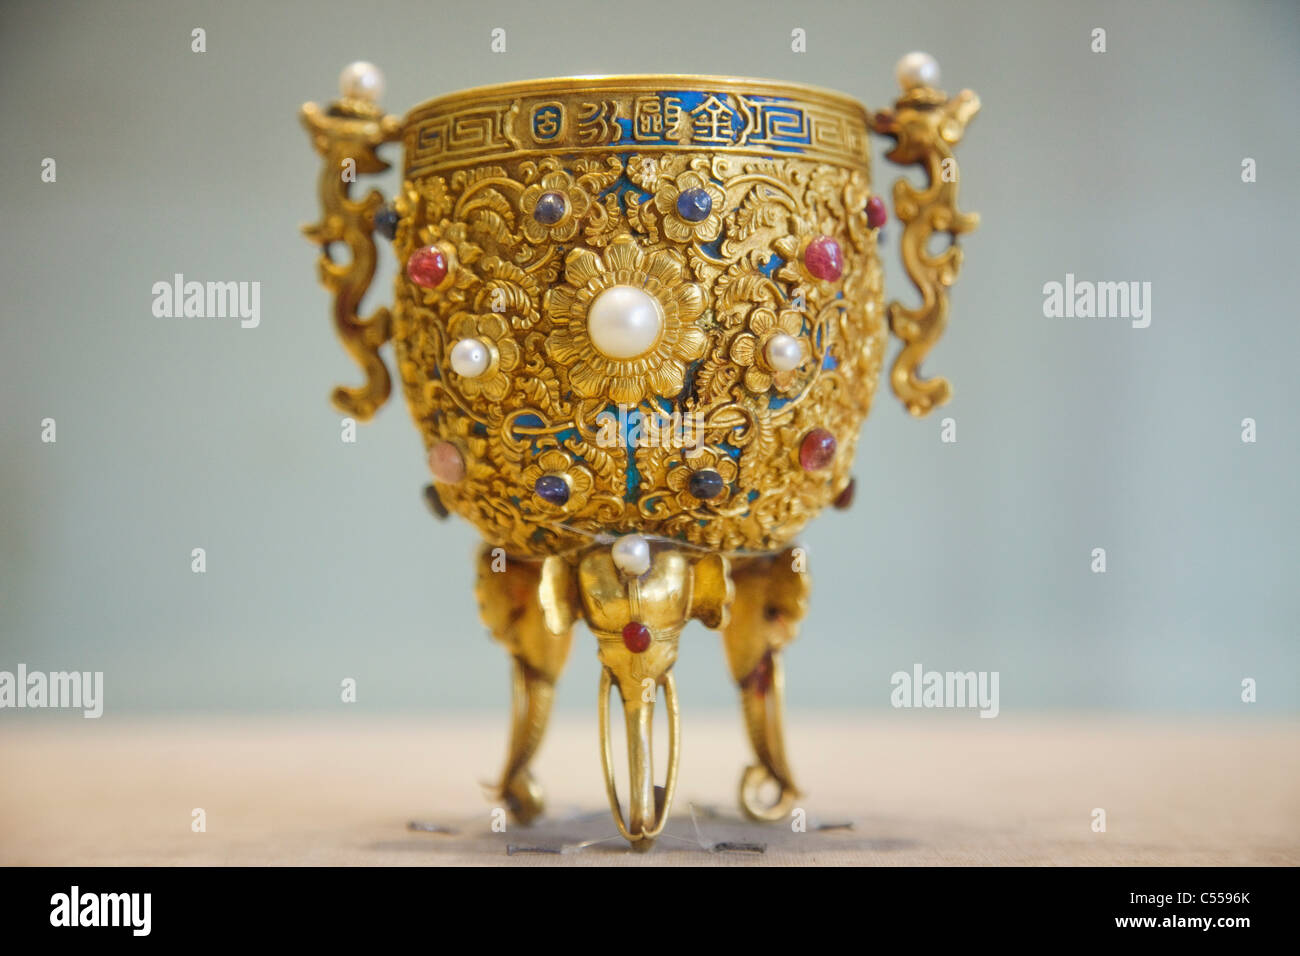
x=642, y=82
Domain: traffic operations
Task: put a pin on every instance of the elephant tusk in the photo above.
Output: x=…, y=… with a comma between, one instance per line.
x=648, y=805
x=531, y=700
x=751, y=784
x=762, y=699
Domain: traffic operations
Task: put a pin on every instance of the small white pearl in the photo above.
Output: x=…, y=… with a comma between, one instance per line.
x=625, y=322
x=631, y=554
x=917, y=69
x=361, y=81
x=470, y=358
x=784, y=352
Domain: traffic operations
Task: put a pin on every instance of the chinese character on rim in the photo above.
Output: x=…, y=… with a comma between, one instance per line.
x=711, y=122
x=656, y=119
x=548, y=121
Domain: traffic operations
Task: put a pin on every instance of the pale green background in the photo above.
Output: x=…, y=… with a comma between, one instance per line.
x=323, y=563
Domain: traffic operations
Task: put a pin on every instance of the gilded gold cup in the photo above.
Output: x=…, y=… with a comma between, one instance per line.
x=639, y=323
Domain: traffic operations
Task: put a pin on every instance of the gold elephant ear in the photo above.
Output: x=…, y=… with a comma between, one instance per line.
x=557, y=594
x=788, y=586
x=712, y=591
x=509, y=588
x=503, y=591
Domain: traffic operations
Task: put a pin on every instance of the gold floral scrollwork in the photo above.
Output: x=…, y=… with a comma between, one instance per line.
x=704, y=406
x=926, y=125
x=347, y=136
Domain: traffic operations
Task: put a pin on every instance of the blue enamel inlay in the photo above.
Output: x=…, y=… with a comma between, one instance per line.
x=712, y=249
x=633, y=475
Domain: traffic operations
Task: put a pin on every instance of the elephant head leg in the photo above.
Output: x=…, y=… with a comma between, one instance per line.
x=637, y=613
x=528, y=607
x=771, y=596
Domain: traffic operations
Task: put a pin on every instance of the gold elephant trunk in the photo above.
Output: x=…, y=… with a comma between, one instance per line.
x=639, y=323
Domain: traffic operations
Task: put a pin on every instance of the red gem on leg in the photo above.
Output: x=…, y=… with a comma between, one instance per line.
x=636, y=637
x=817, y=450
x=823, y=259
x=427, y=267
x=877, y=214
x=760, y=678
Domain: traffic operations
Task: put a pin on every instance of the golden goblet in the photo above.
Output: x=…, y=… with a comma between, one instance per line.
x=639, y=325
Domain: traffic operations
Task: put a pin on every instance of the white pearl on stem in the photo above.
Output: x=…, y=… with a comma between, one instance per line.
x=631, y=554
x=783, y=352
x=470, y=358
x=624, y=322
x=917, y=69
x=361, y=81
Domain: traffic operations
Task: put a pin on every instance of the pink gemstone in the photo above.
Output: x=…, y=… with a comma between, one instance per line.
x=427, y=267
x=877, y=214
x=817, y=450
x=823, y=259
x=446, y=463
x=636, y=637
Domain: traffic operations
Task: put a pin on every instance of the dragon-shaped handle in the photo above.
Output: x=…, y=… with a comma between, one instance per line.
x=926, y=125
x=347, y=135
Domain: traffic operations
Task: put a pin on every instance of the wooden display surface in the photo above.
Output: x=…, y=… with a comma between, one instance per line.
x=892, y=788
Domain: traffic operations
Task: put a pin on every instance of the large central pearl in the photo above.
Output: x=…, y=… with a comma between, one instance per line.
x=625, y=322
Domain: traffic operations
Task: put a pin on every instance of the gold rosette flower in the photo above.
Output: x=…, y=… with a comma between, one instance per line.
x=494, y=332
x=629, y=274
x=556, y=464
x=703, y=199
x=553, y=206
x=749, y=348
